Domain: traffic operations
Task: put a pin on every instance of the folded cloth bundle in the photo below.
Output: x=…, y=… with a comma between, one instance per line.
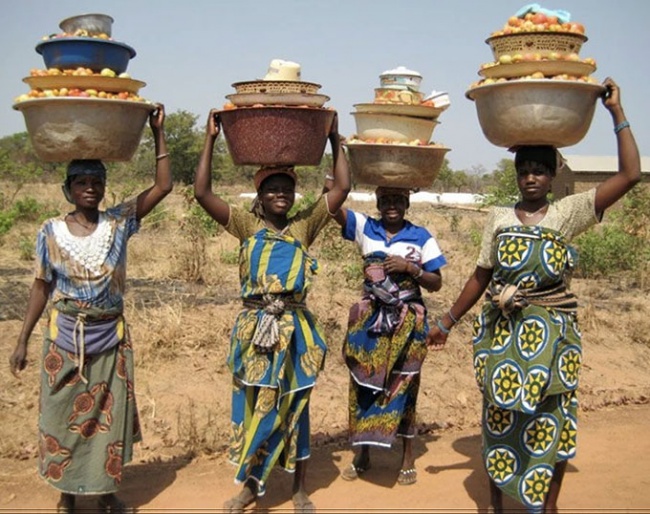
x=562, y=16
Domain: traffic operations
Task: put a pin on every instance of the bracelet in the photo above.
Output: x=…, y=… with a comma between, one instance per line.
x=623, y=124
x=451, y=317
x=161, y=156
x=418, y=273
x=329, y=177
x=442, y=328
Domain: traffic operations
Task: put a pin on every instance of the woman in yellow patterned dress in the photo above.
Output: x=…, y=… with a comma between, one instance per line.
x=527, y=345
x=277, y=347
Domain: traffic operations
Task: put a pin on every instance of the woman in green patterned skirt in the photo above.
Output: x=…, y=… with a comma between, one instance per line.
x=527, y=344
x=88, y=419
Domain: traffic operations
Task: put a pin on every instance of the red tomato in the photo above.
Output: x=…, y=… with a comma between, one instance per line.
x=539, y=18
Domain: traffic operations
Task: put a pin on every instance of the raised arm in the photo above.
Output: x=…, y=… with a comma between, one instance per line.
x=163, y=184
x=629, y=162
x=213, y=205
x=341, y=185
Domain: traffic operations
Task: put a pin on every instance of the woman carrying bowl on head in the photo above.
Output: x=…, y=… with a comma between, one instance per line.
x=88, y=419
x=527, y=344
x=385, y=344
x=277, y=348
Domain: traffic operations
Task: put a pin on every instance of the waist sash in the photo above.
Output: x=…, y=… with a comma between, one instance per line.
x=267, y=332
x=85, y=331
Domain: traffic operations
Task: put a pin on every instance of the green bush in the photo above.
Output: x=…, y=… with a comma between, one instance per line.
x=26, y=248
x=622, y=243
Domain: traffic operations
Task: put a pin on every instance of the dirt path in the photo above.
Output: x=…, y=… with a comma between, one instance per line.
x=610, y=474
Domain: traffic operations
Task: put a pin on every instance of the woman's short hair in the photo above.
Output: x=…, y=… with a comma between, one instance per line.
x=545, y=155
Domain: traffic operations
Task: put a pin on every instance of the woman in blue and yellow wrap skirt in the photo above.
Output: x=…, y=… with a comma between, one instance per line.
x=277, y=347
x=527, y=343
x=88, y=419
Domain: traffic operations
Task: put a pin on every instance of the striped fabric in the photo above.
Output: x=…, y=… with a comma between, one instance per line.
x=271, y=389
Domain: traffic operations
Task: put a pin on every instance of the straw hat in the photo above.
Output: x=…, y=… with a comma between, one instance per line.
x=280, y=69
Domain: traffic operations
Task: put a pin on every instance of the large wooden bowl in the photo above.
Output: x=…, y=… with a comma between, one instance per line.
x=62, y=129
x=269, y=136
x=535, y=112
x=395, y=165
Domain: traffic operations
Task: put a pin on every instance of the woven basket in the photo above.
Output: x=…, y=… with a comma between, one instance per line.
x=275, y=86
x=542, y=43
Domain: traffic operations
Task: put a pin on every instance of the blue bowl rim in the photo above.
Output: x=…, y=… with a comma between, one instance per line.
x=91, y=40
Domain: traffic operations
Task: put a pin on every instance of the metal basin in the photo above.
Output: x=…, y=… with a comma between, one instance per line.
x=393, y=127
x=535, y=112
x=94, y=24
x=276, y=135
x=62, y=129
x=395, y=165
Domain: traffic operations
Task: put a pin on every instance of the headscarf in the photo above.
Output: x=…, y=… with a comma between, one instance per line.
x=268, y=171
x=260, y=176
x=78, y=167
x=546, y=155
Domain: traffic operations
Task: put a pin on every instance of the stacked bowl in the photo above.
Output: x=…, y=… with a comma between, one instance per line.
x=538, y=90
x=392, y=145
x=84, y=105
x=278, y=120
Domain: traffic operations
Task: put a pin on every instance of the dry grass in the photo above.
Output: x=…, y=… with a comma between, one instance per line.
x=181, y=311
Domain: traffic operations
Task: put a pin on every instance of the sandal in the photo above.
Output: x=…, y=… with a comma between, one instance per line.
x=407, y=476
x=353, y=472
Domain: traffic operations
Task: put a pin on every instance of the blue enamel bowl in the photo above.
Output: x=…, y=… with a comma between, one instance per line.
x=85, y=52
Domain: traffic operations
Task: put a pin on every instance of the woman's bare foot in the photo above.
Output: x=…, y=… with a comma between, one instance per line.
x=241, y=501
x=302, y=504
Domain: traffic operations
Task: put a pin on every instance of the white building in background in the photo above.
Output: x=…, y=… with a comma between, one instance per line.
x=419, y=197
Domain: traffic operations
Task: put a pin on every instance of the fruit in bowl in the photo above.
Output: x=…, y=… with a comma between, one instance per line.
x=82, y=52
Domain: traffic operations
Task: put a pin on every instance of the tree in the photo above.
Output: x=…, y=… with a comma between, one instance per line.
x=20, y=165
x=445, y=176
x=503, y=190
x=184, y=143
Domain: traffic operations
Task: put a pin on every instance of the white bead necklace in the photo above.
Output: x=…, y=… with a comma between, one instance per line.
x=90, y=251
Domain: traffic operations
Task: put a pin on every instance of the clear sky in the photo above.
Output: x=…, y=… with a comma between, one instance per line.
x=189, y=52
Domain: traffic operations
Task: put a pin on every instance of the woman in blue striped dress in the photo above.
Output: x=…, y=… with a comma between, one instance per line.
x=277, y=348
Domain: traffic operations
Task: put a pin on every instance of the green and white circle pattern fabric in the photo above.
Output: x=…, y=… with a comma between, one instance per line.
x=513, y=252
x=535, y=484
x=507, y=382
x=568, y=439
x=532, y=337
x=499, y=422
x=539, y=434
x=568, y=366
x=502, y=463
x=534, y=386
